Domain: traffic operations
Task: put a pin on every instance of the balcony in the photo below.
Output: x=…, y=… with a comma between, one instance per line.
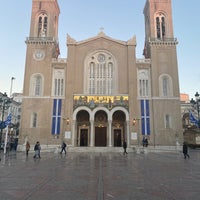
x=40, y=40
x=161, y=41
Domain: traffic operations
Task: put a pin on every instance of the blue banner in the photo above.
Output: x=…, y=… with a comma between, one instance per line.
x=56, y=117
x=145, y=117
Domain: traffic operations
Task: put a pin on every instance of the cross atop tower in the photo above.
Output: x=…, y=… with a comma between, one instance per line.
x=101, y=29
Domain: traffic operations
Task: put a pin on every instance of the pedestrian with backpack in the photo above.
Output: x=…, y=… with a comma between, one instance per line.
x=63, y=147
x=37, y=149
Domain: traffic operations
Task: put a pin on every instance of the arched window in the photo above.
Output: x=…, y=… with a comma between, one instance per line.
x=38, y=82
x=101, y=74
x=160, y=25
x=36, y=85
x=58, y=80
x=165, y=86
x=143, y=83
x=42, y=25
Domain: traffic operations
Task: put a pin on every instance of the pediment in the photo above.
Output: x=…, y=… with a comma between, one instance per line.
x=101, y=35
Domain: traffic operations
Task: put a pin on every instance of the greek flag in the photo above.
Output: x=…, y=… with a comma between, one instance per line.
x=8, y=120
x=193, y=120
x=145, y=117
x=56, y=116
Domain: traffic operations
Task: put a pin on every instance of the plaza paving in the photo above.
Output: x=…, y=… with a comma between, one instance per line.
x=100, y=176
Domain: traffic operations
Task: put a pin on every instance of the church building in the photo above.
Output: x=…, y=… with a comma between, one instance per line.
x=101, y=94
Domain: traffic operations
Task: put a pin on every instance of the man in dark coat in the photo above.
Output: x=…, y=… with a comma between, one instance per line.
x=125, y=147
x=37, y=149
x=63, y=147
x=185, y=150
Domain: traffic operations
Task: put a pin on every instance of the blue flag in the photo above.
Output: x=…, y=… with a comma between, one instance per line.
x=8, y=120
x=193, y=120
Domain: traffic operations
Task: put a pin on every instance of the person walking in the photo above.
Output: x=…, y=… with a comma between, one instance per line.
x=27, y=147
x=63, y=147
x=125, y=147
x=145, y=142
x=185, y=151
x=37, y=149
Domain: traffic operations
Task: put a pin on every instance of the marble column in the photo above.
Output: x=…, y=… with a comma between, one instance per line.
x=92, y=133
x=73, y=133
x=128, y=133
x=110, y=133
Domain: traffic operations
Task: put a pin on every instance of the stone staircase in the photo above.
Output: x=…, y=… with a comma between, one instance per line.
x=133, y=149
x=98, y=149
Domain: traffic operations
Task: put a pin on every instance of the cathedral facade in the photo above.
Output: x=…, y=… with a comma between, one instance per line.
x=101, y=94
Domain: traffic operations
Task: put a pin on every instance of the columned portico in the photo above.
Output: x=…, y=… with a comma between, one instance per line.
x=100, y=124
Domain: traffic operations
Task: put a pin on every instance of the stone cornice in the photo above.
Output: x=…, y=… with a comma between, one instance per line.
x=101, y=34
x=40, y=40
x=166, y=41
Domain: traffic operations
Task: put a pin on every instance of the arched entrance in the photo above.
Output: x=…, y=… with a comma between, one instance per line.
x=83, y=128
x=118, y=120
x=101, y=129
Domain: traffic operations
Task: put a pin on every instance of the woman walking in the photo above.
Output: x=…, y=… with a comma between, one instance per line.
x=27, y=147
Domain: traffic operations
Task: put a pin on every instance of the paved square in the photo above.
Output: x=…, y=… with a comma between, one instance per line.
x=100, y=176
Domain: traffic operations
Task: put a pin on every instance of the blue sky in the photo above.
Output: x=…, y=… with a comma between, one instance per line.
x=121, y=19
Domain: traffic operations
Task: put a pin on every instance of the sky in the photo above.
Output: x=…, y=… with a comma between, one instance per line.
x=82, y=19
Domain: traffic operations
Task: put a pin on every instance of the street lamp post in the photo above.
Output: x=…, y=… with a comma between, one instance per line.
x=196, y=105
x=4, y=105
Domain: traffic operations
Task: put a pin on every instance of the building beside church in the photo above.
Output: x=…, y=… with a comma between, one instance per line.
x=101, y=94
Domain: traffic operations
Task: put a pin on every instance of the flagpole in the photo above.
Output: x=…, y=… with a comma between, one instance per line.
x=6, y=140
x=11, y=85
x=8, y=123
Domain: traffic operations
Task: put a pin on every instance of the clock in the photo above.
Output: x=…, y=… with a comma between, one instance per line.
x=39, y=54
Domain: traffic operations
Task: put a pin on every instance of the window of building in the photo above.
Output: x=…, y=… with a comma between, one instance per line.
x=36, y=85
x=167, y=121
x=34, y=120
x=58, y=82
x=42, y=25
x=160, y=26
x=165, y=86
x=143, y=83
x=101, y=73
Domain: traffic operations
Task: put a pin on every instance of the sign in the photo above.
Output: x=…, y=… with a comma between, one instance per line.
x=134, y=136
x=67, y=134
x=198, y=140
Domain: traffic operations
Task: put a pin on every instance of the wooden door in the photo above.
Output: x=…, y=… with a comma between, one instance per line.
x=100, y=136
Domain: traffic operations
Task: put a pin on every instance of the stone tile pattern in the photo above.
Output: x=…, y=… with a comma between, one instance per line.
x=100, y=176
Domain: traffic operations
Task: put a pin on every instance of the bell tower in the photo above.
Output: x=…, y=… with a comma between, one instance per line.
x=158, y=23
x=44, y=19
x=42, y=51
x=42, y=46
x=160, y=48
